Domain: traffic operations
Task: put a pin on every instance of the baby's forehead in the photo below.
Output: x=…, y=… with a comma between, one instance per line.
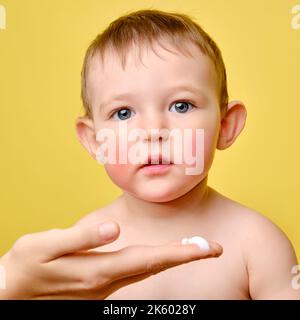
x=145, y=66
x=138, y=56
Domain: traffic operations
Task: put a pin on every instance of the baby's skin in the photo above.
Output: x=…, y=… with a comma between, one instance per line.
x=154, y=209
x=256, y=261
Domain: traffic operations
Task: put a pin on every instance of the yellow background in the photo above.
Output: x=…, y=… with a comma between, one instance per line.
x=48, y=180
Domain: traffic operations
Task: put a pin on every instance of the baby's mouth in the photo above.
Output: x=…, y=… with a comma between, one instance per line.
x=156, y=165
x=156, y=160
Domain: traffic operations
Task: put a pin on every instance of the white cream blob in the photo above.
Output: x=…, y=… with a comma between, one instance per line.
x=201, y=242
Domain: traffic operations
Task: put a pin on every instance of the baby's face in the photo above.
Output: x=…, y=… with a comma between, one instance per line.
x=155, y=100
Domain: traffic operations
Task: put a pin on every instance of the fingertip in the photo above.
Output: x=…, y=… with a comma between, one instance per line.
x=109, y=230
x=211, y=250
x=216, y=248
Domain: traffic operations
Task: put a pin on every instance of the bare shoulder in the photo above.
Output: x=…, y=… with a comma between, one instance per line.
x=268, y=251
x=254, y=225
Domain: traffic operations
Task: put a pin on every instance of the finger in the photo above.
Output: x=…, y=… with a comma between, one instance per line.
x=118, y=284
x=135, y=260
x=58, y=242
x=94, y=270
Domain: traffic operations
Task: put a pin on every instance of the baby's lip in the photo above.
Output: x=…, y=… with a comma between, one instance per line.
x=156, y=159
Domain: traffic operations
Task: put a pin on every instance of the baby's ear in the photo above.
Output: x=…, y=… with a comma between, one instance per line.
x=86, y=135
x=232, y=124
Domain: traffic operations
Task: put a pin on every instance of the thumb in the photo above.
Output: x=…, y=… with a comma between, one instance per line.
x=108, y=231
x=80, y=237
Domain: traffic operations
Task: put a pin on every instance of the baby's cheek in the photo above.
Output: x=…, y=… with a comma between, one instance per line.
x=203, y=142
x=119, y=174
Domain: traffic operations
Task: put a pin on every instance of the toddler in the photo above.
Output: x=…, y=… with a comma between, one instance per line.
x=156, y=109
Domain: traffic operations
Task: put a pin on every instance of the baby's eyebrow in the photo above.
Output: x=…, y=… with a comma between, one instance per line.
x=128, y=95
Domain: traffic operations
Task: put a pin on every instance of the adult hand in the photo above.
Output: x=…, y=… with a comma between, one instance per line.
x=59, y=263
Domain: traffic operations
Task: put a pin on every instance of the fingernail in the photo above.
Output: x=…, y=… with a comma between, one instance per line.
x=108, y=230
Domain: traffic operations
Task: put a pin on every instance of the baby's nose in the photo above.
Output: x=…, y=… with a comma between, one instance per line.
x=155, y=126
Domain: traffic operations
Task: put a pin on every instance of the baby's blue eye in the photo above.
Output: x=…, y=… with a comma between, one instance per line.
x=126, y=113
x=122, y=114
x=182, y=106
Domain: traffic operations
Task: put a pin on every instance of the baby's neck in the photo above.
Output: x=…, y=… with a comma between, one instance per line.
x=140, y=212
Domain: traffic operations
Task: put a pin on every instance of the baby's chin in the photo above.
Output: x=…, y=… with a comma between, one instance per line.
x=154, y=188
x=156, y=197
x=159, y=191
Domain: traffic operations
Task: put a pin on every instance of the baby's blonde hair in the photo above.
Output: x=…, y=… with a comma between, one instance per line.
x=149, y=25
